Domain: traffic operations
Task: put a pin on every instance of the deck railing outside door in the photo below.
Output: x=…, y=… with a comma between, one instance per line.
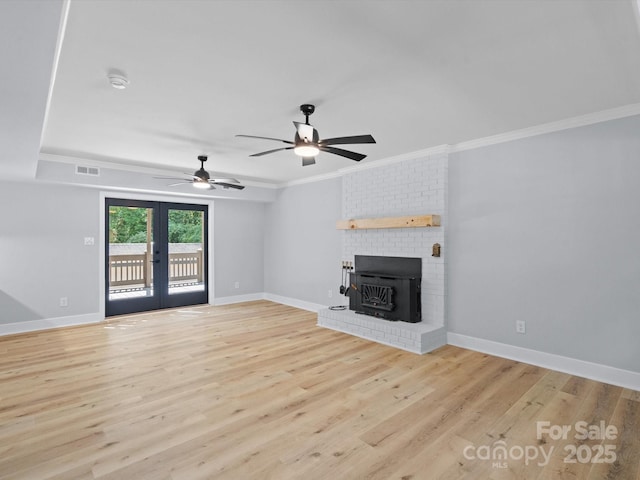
x=133, y=269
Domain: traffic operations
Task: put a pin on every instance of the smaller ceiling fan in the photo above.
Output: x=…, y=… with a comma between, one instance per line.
x=307, y=143
x=201, y=179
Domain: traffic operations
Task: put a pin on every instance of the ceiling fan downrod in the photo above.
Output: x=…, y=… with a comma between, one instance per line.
x=307, y=109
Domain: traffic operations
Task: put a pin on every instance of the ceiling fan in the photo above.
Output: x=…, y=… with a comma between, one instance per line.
x=307, y=143
x=201, y=179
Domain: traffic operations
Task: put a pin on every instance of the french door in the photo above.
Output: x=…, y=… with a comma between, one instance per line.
x=156, y=255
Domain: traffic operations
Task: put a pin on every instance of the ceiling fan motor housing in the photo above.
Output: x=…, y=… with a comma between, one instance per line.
x=201, y=173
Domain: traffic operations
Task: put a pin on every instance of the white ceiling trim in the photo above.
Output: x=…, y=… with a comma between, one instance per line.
x=636, y=11
x=86, y=162
x=580, y=121
x=90, y=162
x=56, y=60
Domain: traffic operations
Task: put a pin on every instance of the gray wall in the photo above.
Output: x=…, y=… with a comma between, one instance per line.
x=302, y=245
x=42, y=251
x=547, y=230
x=238, y=247
x=43, y=256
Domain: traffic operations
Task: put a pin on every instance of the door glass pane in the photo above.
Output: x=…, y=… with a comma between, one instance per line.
x=130, y=252
x=186, y=251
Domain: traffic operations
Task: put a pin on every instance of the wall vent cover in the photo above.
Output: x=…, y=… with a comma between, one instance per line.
x=81, y=170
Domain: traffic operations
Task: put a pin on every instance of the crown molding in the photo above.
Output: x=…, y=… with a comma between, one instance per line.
x=545, y=128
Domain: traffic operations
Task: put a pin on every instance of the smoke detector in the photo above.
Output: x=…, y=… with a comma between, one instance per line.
x=118, y=81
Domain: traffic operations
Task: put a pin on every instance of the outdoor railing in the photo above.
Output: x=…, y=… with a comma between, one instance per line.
x=132, y=269
x=185, y=266
x=136, y=269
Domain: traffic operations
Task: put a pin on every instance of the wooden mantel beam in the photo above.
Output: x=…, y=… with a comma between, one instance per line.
x=390, y=222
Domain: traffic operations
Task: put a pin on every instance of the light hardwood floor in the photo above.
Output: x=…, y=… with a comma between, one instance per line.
x=258, y=391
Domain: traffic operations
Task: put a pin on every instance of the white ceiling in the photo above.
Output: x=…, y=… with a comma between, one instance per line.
x=414, y=74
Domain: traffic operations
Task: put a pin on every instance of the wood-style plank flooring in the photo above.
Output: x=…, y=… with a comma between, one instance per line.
x=258, y=391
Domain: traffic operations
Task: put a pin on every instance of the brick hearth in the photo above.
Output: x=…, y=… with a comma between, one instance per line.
x=414, y=337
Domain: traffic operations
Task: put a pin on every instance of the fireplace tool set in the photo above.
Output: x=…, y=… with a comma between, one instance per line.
x=347, y=268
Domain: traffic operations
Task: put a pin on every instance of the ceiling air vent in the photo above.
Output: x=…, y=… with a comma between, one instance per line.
x=80, y=170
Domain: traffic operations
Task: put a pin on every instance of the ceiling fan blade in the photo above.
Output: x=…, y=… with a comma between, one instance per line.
x=175, y=178
x=308, y=161
x=348, y=140
x=190, y=175
x=179, y=183
x=229, y=185
x=343, y=153
x=266, y=138
x=224, y=180
x=270, y=151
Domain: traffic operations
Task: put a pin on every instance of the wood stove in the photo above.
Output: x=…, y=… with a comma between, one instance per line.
x=387, y=287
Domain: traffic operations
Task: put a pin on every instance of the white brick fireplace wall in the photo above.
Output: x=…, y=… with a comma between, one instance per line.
x=411, y=187
x=415, y=186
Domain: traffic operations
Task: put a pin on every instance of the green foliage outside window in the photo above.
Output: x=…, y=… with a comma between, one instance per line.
x=185, y=226
x=129, y=225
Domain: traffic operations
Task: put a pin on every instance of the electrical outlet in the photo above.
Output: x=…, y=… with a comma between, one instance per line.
x=64, y=302
x=330, y=294
x=237, y=285
x=521, y=326
x=89, y=241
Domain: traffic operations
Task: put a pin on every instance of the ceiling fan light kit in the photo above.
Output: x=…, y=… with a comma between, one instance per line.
x=306, y=150
x=202, y=184
x=307, y=143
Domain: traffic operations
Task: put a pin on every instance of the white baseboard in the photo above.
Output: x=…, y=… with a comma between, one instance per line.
x=272, y=297
x=580, y=368
x=294, y=302
x=250, y=297
x=58, y=322
x=48, y=323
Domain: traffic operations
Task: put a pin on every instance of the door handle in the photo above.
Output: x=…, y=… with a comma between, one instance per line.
x=154, y=261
